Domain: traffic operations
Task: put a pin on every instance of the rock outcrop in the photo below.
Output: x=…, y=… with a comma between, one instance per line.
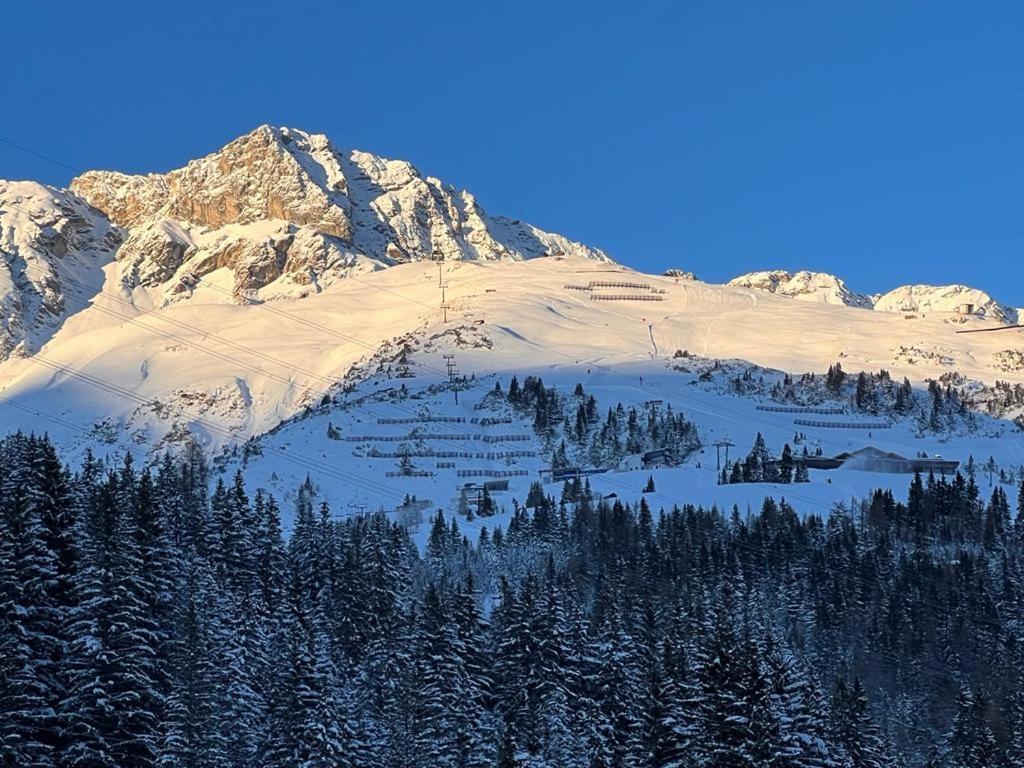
x=53, y=246
x=286, y=210
x=926, y=299
x=915, y=299
x=803, y=285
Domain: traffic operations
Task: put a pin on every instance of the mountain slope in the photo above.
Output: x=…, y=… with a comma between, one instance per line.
x=287, y=211
x=53, y=247
x=228, y=371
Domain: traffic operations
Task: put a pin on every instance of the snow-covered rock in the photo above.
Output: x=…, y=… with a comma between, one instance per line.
x=682, y=274
x=806, y=286
x=53, y=247
x=925, y=299
x=284, y=206
x=909, y=299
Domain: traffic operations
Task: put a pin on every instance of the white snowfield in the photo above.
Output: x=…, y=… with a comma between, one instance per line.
x=122, y=375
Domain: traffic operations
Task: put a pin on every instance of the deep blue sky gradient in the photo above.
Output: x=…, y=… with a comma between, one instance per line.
x=880, y=141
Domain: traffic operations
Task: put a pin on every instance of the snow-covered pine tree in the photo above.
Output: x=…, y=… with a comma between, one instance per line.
x=114, y=703
x=855, y=729
x=29, y=617
x=194, y=730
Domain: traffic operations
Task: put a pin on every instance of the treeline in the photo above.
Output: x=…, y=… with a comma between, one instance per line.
x=146, y=622
x=1002, y=399
x=944, y=406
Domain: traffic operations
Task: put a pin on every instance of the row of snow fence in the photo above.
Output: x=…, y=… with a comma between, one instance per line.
x=492, y=473
x=410, y=473
x=424, y=420
x=428, y=454
x=489, y=421
x=423, y=454
x=626, y=297
x=411, y=437
x=799, y=409
x=841, y=424
x=446, y=465
x=622, y=284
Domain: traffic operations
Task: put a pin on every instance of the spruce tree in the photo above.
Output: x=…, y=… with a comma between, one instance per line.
x=29, y=618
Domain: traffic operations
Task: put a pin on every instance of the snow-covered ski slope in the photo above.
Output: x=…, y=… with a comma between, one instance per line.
x=346, y=475
x=124, y=374
x=261, y=363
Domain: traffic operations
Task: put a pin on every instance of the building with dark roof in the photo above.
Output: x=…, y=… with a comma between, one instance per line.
x=872, y=459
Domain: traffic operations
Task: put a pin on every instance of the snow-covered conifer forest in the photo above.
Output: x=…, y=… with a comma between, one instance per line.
x=159, y=616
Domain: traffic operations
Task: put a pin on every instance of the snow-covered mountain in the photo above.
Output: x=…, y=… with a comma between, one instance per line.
x=288, y=213
x=141, y=374
x=924, y=299
x=53, y=247
x=284, y=288
x=944, y=298
x=806, y=286
x=275, y=213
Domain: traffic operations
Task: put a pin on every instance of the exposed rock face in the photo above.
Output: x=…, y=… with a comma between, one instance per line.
x=153, y=253
x=682, y=274
x=284, y=207
x=803, y=285
x=284, y=211
x=53, y=246
x=266, y=174
x=944, y=298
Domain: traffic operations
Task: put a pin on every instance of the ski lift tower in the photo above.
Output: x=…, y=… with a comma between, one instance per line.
x=449, y=362
x=444, y=302
x=727, y=444
x=437, y=256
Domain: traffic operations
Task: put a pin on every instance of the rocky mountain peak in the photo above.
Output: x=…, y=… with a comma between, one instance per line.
x=268, y=173
x=285, y=207
x=804, y=285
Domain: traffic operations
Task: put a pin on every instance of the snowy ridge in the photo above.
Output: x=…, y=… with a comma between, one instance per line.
x=947, y=298
x=226, y=371
x=924, y=299
x=803, y=285
x=287, y=210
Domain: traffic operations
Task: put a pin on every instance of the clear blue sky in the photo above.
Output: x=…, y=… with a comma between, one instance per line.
x=880, y=141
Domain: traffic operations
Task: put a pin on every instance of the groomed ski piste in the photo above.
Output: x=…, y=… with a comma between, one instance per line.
x=127, y=373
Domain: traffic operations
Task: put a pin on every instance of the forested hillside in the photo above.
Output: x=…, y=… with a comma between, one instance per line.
x=144, y=622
